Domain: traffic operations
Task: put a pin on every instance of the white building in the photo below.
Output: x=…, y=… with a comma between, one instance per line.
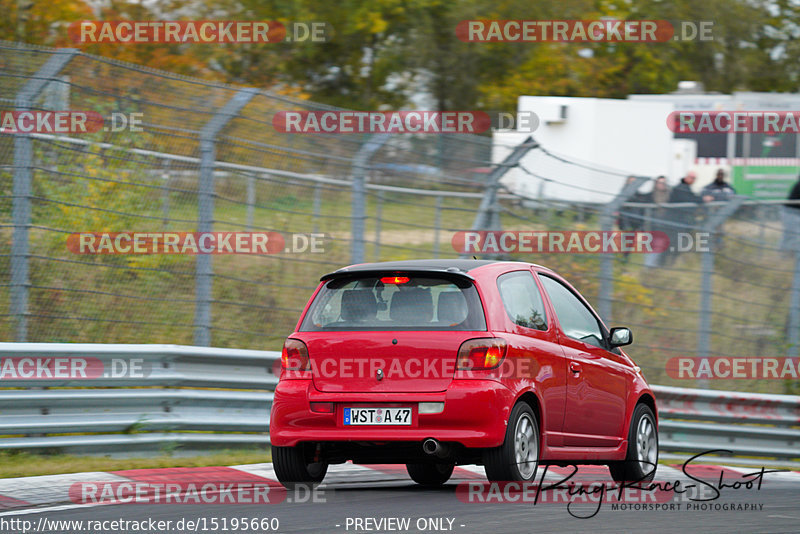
x=632, y=136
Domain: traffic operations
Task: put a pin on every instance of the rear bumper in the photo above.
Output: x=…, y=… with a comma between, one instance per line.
x=475, y=415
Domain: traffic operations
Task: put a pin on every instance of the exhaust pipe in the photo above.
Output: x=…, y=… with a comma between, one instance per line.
x=434, y=448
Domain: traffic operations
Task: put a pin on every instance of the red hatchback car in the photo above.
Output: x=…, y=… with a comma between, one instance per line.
x=433, y=363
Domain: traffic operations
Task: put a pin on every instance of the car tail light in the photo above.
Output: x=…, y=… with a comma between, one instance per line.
x=295, y=356
x=480, y=354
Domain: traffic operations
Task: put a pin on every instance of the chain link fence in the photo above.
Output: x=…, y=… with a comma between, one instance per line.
x=208, y=158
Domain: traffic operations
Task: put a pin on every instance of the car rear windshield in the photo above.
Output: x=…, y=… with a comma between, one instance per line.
x=396, y=302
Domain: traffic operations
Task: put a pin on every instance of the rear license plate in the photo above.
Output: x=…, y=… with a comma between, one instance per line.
x=377, y=416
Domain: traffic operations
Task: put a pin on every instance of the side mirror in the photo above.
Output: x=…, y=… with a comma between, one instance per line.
x=620, y=336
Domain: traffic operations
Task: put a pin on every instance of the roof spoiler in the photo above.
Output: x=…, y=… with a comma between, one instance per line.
x=451, y=273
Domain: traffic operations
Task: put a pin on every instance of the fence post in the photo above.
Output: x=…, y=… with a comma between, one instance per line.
x=166, y=178
x=607, y=259
x=317, y=206
x=437, y=225
x=205, y=210
x=23, y=176
x=486, y=215
x=793, y=335
x=378, y=217
x=706, y=292
x=358, y=211
x=251, y=201
x=706, y=284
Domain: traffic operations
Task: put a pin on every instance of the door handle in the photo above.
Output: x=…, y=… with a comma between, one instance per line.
x=574, y=367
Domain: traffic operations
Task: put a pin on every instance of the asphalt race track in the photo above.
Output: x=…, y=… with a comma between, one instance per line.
x=367, y=499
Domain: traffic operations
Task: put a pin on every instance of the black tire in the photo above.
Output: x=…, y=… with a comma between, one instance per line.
x=632, y=469
x=430, y=474
x=502, y=462
x=292, y=469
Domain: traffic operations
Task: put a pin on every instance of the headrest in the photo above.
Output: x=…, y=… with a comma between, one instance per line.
x=358, y=305
x=452, y=307
x=412, y=306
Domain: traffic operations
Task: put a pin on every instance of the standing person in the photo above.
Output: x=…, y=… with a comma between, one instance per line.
x=659, y=196
x=682, y=218
x=718, y=190
x=631, y=219
x=791, y=220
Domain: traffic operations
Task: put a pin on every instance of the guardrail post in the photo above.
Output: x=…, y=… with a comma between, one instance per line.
x=205, y=210
x=707, y=271
x=607, y=259
x=23, y=176
x=358, y=208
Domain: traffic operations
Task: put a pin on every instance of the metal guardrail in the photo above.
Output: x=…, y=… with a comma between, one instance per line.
x=223, y=402
x=747, y=424
x=201, y=398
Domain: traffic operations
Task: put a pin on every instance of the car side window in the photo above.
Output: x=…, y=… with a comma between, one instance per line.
x=574, y=317
x=522, y=300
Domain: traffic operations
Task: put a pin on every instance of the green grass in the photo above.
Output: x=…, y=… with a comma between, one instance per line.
x=23, y=464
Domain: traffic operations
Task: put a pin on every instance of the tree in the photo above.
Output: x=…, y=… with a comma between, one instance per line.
x=389, y=53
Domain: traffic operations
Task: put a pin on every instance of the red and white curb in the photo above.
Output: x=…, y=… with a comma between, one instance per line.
x=57, y=492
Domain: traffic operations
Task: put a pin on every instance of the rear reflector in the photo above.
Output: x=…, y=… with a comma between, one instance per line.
x=431, y=407
x=322, y=407
x=481, y=354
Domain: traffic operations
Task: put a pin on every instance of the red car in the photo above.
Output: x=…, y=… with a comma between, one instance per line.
x=433, y=363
